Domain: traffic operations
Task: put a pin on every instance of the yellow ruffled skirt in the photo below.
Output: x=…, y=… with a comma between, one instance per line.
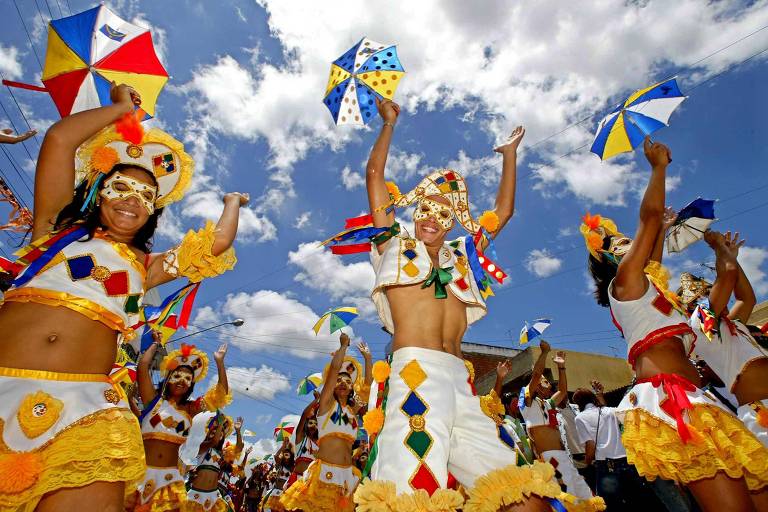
x=720, y=443
x=315, y=491
x=169, y=498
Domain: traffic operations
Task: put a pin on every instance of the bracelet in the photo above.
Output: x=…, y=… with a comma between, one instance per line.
x=382, y=207
x=387, y=123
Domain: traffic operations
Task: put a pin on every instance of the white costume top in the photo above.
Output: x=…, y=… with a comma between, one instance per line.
x=541, y=413
x=166, y=423
x=99, y=278
x=405, y=261
x=307, y=449
x=339, y=422
x=648, y=320
x=606, y=434
x=728, y=353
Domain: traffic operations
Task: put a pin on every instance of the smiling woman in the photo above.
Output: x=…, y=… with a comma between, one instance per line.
x=70, y=437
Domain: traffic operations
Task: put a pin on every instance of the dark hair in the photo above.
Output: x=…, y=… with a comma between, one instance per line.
x=91, y=218
x=582, y=397
x=603, y=272
x=167, y=391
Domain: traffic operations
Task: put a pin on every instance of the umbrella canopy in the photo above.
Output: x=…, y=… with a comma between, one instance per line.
x=309, y=384
x=91, y=49
x=338, y=318
x=691, y=223
x=530, y=332
x=367, y=71
x=284, y=430
x=644, y=112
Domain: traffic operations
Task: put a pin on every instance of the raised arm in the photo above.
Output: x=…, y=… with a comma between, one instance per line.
x=598, y=388
x=239, y=434
x=329, y=382
x=561, y=395
x=368, y=362
x=309, y=410
x=630, y=282
x=670, y=216
x=505, y=197
x=743, y=292
x=502, y=369
x=378, y=195
x=8, y=137
x=538, y=370
x=55, y=174
x=147, y=390
x=221, y=370
x=726, y=269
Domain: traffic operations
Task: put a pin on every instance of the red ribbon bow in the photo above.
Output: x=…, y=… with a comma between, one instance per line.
x=677, y=401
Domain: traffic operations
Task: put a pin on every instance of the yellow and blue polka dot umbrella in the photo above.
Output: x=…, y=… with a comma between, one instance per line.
x=644, y=112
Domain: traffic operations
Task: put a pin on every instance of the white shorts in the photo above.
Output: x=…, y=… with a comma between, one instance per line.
x=156, y=479
x=573, y=481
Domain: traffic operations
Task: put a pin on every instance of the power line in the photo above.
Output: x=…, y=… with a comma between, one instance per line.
x=50, y=13
x=34, y=50
x=23, y=116
x=13, y=125
x=61, y=13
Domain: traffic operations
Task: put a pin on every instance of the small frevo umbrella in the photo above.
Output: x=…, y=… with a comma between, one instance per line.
x=284, y=430
x=366, y=72
x=309, y=383
x=692, y=221
x=337, y=318
x=644, y=112
x=529, y=332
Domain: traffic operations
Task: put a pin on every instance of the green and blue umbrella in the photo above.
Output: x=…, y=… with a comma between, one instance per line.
x=309, y=384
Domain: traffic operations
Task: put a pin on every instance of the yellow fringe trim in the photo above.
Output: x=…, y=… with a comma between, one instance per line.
x=381, y=496
x=170, y=498
x=492, y=407
x=723, y=444
x=102, y=447
x=194, y=257
x=216, y=398
x=193, y=506
x=315, y=495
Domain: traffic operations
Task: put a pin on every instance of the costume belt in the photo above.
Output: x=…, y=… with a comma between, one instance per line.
x=676, y=389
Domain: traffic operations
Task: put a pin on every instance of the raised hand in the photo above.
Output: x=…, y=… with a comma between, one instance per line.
x=559, y=359
x=239, y=197
x=658, y=154
x=8, y=137
x=597, y=386
x=218, y=356
x=512, y=142
x=670, y=216
x=364, y=350
x=503, y=368
x=238, y=423
x=544, y=346
x=124, y=94
x=733, y=242
x=344, y=340
x=388, y=110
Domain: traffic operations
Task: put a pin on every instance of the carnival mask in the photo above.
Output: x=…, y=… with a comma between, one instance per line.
x=180, y=378
x=618, y=248
x=121, y=186
x=442, y=213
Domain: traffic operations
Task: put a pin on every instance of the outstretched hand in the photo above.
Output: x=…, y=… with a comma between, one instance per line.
x=388, y=110
x=8, y=137
x=670, y=216
x=559, y=359
x=658, y=154
x=239, y=197
x=364, y=350
x=597, y=386
x=512, y=142
x=218, y=356
x=733, y=242
x=503, y=368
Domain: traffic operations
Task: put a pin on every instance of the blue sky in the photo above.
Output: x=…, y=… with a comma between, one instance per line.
x=245, y=96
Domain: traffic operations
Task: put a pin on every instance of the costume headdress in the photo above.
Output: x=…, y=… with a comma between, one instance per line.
x=189, y=356
x=692, y=288
x=127, y=143
x=221, y=419
x=351, y=366
x=595, y=228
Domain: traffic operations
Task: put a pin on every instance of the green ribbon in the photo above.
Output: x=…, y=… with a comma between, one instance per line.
x=382, y=237
x=440, y=277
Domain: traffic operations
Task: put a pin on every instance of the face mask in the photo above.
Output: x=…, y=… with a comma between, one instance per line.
x=121, y=186
x=180, y=378
x=619, y=247
x=442, y=213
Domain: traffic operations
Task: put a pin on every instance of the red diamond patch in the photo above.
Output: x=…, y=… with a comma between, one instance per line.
x=662, y=304
x=117, y=284
x=424, y=479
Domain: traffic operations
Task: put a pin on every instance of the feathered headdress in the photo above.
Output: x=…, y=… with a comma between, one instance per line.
x=595, y=228
x=189, y=356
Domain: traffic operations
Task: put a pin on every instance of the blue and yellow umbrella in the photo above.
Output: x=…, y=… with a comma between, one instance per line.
x=309, y=383
x=337, y=318
x=644, y=112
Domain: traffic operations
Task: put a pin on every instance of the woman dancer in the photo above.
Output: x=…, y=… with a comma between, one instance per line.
x=329, y=482
x=672, y=430
x=306, y=440
x=70, y=439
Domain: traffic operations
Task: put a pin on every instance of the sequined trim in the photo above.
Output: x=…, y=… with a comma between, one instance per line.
x=22, y=373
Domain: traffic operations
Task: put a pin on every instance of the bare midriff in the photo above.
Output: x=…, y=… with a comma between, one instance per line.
x=161, y=454
x=545, y=438
x=423, y=321
x=751, y=384
x=39, y=337
x=301, y=466
x=206, y=480
x=335, y=450
x=666, y=356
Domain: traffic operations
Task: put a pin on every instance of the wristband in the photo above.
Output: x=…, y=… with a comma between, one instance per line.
x=387, y=123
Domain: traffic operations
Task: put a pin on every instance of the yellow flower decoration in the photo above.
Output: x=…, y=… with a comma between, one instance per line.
x=38, y=412
x=380, y=371
x=104, y=159
x=490, y=221
x=394, y=191
x=492, y=407
x=373, y=420
x=20, y=472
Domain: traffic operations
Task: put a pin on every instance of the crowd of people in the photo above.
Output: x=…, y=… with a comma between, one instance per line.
x=409, y=433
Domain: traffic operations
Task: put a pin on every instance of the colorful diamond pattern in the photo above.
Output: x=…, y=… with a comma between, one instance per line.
x=505, y=437
x=132, y=303
x=413, y=405
x=424, y=479
x=420, y=442
x=412, y=374
x=80, y=267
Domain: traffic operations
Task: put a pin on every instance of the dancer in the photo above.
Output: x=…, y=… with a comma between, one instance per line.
x=306, y=440
x=203, y=453
x=167, y=418
x=70, y=439
x=427, y=292
x=329, y=482
x=279, y=477
x=724, y=341
x=539, y=408
x=672, y=430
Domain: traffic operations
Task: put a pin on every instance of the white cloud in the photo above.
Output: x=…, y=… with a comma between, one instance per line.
x=402, y=165
x=240, y=14
x=259, y=383
x=350, y=179
x=207, y=204
x=302, y=220
x=10, y=62
x=274, y=322
x=542, y=263
x=263, y=418
x=752, y=260
x=338, y=279
x=543, y=65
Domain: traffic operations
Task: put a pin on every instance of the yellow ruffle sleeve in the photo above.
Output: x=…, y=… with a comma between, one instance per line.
x=193, y=258
x=216, y=398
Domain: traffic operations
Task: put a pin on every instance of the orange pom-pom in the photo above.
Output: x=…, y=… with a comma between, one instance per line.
x=104, y=159
x=186, y=350
x=373, y=420
x=762, y=416
x=592, y=221
x=594, y=241
x=394, y=191
x=380, y=371
x=489, y=220
x=20, y=472
x=129, y=127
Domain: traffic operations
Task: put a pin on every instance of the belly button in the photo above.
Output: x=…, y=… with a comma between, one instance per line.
x=52, y=338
